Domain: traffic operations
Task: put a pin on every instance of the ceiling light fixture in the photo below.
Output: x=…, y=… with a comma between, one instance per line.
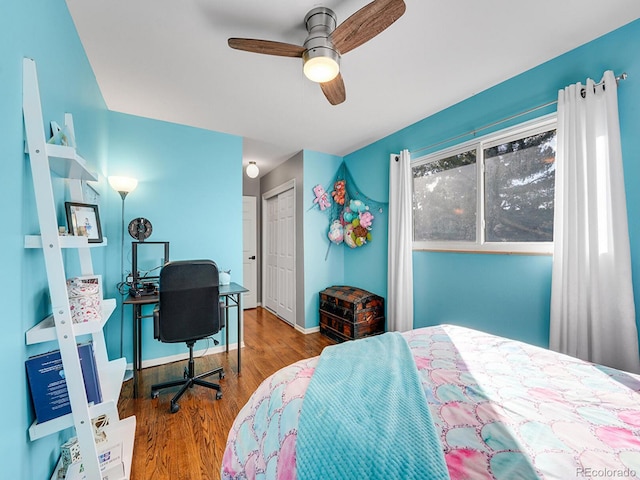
x=321, y=65
x=252, y=170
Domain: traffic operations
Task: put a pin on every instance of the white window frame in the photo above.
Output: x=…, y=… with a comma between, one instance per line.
x=532, y=127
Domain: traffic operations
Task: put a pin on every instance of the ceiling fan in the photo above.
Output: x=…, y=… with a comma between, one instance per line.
x=327, y=42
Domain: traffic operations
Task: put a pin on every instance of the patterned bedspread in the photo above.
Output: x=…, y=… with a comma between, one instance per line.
x=503, y=409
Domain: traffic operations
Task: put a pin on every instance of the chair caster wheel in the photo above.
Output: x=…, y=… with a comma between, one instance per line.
x=221, y=375
x=218, y=395
x=174, y=407
x=154, y=394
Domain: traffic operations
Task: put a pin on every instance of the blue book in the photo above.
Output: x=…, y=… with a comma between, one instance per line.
x=48, y=385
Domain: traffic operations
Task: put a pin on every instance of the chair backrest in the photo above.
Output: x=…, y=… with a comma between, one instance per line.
x=188, y=305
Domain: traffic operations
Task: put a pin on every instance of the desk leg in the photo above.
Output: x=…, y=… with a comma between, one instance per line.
x=240, y=324
x=137, y=309
x=226, y=322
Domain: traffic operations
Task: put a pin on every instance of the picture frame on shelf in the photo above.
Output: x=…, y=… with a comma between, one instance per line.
x=83, y=219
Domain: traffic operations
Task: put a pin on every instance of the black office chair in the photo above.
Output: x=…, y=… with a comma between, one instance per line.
x=188, y=310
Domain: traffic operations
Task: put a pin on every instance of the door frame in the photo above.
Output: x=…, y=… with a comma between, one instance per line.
x=289, y=185
x=254, y=292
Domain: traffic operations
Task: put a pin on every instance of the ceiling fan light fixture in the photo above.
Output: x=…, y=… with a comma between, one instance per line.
x=327, y=41
x=252, y=170
x=321, y=65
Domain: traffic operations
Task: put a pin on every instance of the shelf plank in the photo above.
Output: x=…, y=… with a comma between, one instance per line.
x=68, y=241
x=40, y=430
x=111, y=379
x=65, y=162
x=45, y=331
x=125, y=431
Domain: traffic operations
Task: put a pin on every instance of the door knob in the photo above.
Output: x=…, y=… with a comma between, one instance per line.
x=252, y=257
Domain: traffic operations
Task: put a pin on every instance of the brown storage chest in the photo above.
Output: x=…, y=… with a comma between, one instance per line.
x=347, y=313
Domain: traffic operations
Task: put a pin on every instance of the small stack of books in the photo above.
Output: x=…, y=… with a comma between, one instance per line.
x=48, y=385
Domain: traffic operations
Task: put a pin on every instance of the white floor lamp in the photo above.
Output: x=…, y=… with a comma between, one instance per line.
x=124, y=186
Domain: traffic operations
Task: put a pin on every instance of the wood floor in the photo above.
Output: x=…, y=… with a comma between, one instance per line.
x=189, y=444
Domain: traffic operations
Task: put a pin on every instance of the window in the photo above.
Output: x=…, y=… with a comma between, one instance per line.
x=494, y=194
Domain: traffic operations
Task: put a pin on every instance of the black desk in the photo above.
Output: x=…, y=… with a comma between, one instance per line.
x=232, y=295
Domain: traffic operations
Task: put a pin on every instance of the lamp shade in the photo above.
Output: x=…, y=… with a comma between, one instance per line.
x=252, y=170
x=123, y=184
x=322, y=68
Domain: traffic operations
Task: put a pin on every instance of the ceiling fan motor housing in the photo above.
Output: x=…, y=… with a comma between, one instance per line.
x=320, y=23
x=321, y=17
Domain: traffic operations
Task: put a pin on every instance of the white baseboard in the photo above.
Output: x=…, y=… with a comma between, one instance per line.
x=307, y=331
x=154, y=362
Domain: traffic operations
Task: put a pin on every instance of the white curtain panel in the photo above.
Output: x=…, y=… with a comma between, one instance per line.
x=592, y=305
x=400, y=269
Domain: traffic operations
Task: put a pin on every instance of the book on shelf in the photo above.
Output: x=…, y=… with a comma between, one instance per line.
x=70, y=465
x=48, y=385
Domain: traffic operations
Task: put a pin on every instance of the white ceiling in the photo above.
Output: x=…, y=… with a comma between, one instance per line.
x=169, y=60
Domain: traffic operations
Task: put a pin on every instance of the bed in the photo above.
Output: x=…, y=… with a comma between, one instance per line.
x=501, y=409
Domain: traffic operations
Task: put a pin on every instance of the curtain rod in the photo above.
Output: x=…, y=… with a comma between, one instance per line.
x=620, y=77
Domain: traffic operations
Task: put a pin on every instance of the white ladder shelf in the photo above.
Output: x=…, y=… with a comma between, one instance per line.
x=65, y=162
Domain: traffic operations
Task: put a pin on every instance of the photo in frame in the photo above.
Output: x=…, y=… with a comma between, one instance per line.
x=83, y=220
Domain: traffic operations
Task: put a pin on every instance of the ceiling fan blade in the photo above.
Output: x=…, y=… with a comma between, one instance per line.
x=366, y=23
x=334, y=90
x=267, y=47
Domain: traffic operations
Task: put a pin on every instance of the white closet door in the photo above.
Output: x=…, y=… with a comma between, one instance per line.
x=286, y=256
x=270, y=284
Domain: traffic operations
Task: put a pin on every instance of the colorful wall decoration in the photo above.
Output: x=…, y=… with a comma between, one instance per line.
x=351, y=213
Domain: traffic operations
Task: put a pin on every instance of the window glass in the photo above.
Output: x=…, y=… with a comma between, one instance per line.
x=445, y=198
x=519, y=189
x=493, y=194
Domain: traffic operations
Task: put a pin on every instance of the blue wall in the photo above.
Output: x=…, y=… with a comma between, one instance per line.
x=43, y=30
x=508, y=295
x=323, y=266
x=190, y=188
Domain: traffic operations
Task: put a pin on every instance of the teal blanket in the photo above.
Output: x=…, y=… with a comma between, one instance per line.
x=365, y=416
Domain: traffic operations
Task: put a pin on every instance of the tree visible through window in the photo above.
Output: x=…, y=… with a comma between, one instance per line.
x=445, y=198
x=495, y=194
x=519, y=189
